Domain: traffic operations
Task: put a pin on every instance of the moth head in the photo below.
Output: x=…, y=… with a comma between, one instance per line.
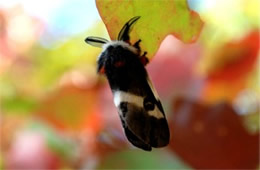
x=122, y=36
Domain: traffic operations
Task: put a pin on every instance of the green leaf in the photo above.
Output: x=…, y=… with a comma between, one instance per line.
x=159, y=18
x=19, y=104
x=138, y=159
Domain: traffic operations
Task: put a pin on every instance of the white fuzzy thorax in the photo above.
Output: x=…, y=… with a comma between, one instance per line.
x=120, y=43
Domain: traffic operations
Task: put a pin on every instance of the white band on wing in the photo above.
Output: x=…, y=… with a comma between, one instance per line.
x=120, y=96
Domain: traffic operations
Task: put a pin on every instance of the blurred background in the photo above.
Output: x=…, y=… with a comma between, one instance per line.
x=57, y=113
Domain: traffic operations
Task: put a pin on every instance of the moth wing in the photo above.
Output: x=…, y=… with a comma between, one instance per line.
x=143, y=117
x=134, y=139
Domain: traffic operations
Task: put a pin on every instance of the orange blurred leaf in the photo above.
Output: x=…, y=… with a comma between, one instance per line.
x=72, y=108
x=229, y=68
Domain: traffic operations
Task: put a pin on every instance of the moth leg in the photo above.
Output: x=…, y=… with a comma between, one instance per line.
x=144, y=59
x=136, y=44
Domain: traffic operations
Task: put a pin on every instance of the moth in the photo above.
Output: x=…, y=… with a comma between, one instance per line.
x=138, y=104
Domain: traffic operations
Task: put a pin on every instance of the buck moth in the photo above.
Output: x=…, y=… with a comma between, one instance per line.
x=137, y=102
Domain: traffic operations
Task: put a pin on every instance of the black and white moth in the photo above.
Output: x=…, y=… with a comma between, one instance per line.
x=137, y=101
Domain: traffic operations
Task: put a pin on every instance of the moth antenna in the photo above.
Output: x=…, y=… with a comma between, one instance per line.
x=124, y=32
x=96, y=41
